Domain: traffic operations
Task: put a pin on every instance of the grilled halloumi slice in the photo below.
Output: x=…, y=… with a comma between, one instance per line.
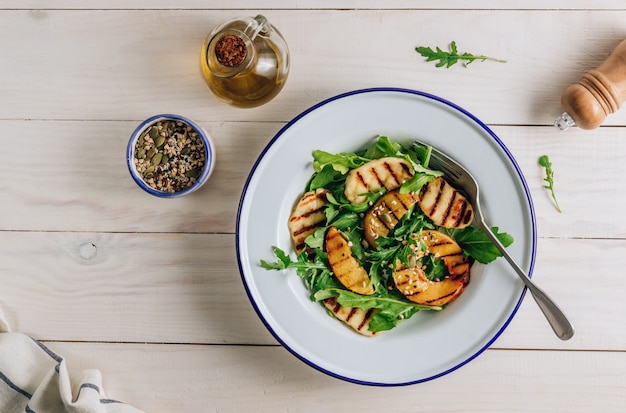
x=307, y=216
x=444, y=205
x=384, y=215
x=345, y=267
x=388, y=173
x=355, y=317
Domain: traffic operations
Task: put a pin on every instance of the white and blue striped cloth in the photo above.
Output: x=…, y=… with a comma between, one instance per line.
x=33, y=379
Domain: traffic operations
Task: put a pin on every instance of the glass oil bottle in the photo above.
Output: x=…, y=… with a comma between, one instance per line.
x=245, y=62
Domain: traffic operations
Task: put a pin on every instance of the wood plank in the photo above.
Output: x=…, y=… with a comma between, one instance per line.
x=186, y=288
x=589, y=171
x=88, y=188
x=157, y=288
x=103, y=65
x=318, y=4
x=46, y=187
x=165, y=378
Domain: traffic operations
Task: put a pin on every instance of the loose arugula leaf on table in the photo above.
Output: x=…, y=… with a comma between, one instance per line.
x=452, y=57
x=544, y=161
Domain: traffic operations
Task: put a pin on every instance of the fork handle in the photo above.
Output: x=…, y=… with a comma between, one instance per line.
x=557, y=319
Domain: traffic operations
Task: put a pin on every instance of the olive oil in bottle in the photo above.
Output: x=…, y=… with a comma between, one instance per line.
x=245, y=62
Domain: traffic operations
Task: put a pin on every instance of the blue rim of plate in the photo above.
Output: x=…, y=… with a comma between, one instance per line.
x=460, y=110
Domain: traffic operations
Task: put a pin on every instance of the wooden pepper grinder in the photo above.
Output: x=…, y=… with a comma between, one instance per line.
x=599, y=92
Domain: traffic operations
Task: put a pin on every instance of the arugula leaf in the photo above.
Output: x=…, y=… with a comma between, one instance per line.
x=450, y=58
x=391, y=308
x=284, y=262
x=316, y=240
x=476, y=244
x=315, y=272
x=434, y=268
x=341, y=162
x=322, y=179
x=549, y=179
x=341, y=203
x=420, y=157
x=416, y=183
x=421, y=154
x=384, y=147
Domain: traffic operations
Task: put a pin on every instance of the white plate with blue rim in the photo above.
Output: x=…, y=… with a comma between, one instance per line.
x=429, y=344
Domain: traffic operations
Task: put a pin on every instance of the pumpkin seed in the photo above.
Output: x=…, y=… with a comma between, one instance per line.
x=151, y=153
x=159, y=141
x=193, y=173
x=156, y=159
x=385, y=217
x=153, y=132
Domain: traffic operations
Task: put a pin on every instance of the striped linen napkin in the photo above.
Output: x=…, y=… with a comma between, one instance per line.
x=33, y=379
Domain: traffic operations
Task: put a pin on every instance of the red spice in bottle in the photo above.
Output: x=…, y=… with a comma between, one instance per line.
x=230, y=50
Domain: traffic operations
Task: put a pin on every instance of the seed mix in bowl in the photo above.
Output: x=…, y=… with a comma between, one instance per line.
x=169, y=156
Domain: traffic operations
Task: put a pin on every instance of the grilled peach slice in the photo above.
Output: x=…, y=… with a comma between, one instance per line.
x=345, y=267
x=444, y=205
x=439, y=292
x=449, y=251
x=388, y=173
x=413, y=284
x=410, y=280
x=384, y=215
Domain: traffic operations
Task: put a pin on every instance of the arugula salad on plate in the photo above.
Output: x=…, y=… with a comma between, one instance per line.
x=378, y=236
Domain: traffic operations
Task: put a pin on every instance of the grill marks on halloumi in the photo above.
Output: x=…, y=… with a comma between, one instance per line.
x=307, y=217
x=444, y=205
x=355, y=317
x=388, y=173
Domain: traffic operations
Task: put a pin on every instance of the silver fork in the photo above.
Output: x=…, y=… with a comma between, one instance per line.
x=460, y=178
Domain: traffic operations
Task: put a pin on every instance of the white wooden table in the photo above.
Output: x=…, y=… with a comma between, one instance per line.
x=148, y=290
